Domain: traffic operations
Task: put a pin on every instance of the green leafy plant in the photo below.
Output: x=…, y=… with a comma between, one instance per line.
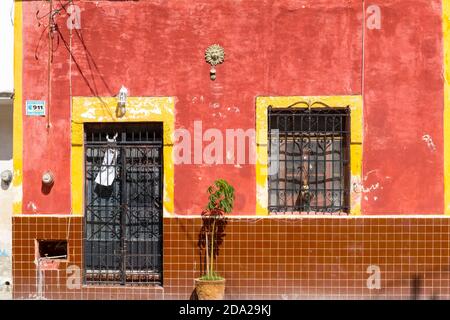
x=220, y=202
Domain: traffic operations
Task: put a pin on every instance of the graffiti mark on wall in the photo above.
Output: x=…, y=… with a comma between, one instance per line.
x=366, y=190
x=359, y=187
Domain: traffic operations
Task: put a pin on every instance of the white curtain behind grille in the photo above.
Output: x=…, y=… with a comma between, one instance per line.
x=107, y=172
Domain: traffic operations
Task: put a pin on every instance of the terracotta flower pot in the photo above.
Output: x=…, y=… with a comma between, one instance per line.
x=210, y=289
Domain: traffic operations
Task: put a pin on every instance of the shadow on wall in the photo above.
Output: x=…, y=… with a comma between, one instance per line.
x=6, y=130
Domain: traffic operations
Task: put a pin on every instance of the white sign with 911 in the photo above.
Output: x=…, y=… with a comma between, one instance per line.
x=35, y=108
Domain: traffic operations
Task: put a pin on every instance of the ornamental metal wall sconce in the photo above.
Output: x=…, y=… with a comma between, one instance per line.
x=214, y=55
x=122, y=102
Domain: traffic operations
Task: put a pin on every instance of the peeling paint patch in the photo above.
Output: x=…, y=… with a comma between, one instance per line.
x=429, y=141
x=371, y=188
x=369, y=173
x=355, y=200
x=31, y=206
x=356, y=183
x=144, y=112
x=17, y=194
x=262, y=196
x=89, y=114
x=218, y=115
x=234, y=109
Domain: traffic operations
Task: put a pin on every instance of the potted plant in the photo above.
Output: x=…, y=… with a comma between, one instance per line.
x=211, y=286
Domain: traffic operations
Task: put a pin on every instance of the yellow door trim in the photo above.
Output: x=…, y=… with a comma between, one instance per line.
x=356, y=113
x=17, y=117
x=138, y=109
x=446, y=41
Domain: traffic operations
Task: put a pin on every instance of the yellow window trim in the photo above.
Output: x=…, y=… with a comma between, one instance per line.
x=138, y=109
x=446, y=41
x=356, y=118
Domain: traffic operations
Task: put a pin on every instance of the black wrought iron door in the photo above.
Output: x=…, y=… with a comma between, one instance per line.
x=123, y=196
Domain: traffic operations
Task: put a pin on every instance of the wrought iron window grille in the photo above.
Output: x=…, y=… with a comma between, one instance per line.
x=312, y=145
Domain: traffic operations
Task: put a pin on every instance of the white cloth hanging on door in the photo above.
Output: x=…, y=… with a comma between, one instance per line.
x=107, y=172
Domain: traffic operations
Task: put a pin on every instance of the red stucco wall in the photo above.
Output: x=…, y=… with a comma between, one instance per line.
x=309, y=47
x=403, y=102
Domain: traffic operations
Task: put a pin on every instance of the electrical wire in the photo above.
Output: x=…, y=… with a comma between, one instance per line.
x=50, y=61
x=70, y=103
x=363, y=60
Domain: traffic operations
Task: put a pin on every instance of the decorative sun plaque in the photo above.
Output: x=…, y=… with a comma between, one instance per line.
x=214, y=55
